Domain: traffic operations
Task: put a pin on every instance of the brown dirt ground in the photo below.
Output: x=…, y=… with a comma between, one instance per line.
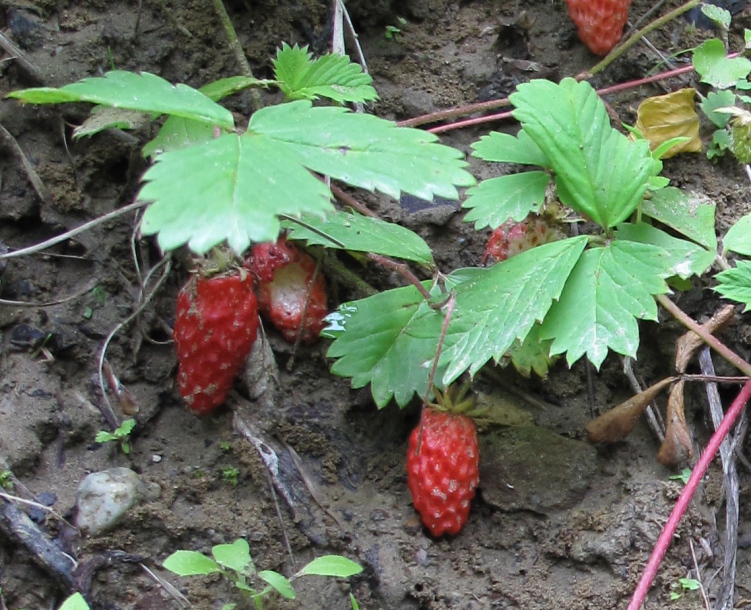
x=569, y=527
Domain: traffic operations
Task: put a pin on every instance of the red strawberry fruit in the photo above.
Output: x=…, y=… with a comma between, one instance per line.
x=290, y=293
x=513, y=238
x=215, y=327
x=443, y=469
x=600, y=22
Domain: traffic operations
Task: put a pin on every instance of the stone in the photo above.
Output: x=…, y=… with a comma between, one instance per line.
x=104, y=498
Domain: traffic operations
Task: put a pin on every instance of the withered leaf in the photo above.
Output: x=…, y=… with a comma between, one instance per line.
x=686, y=346
x=664, y=117
x=676, y=448
x=617, y=423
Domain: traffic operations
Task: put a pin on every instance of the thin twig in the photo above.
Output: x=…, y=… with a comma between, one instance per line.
x=73, y=232
x=85, y=290
x=636, y=387
x=47, y=509
x=23, y=61
x=698, y=575
x=31, y=173
x=708, y=338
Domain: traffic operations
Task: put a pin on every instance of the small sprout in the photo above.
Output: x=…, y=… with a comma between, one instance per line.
x=685, y=584
x=225, y=446
x=5, y=479
x=394, y=32
x=683, y=476
x=230, y=475
x=121, y=435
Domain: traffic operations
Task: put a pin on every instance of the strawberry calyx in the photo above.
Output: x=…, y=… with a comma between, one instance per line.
x=455, y=400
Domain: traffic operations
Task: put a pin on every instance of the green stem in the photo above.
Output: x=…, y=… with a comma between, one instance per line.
x=707, y=337
x=234, y=43
x=637, y=36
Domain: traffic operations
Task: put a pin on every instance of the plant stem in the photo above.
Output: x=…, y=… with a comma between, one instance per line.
x=637, y=36
x=697, y=475
x=234, y=43
x=708, y=338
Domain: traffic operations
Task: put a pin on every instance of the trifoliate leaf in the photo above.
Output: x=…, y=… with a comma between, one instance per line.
x=377, y=345
x=495, y=200
x=664, y=117
x=718, y=99
x=687, y=258
x=608, y=290
x=496, y=306
x=362, y=234
x=599, y=171
x=365, y=151
x=691, y=214
x=735, y=284
x=714, y=67
x=505, y=148
x=234, y=187
x=230, y=188
x=332, y=76
x=738, y=238
x=143, y=92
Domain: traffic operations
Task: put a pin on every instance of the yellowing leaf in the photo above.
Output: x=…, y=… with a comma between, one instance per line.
x=665, y=117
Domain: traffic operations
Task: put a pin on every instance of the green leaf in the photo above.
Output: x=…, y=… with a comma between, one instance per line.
x=104, y=117
x=235, y=556
x=721, y=142
x=495, y=200
x=281, y=584
x=234, y=187
x=190, y=563
x=332, y=76
x=715, y=68
x=532, y=354
x=362, y=234
x=719, y=15
x=505, y=148
x=331, y=565
x=353, y=601
x=715, y=100
x=377, y=346
x=691, y=214
x=738, y=237
x=496, y=306
x=599, y=171
x=143, y=92
x=735, y=284
x=365, y=151
x=608, y=290
x=223, y=87
x=75, y=602
x=686, y=258
x=177, y=133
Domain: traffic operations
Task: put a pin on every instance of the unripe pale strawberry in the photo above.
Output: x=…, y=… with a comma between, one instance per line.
x=513, y=238
x=599, y=22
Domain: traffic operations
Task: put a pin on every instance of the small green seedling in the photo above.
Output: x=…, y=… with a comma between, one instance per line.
x=233, y=561
x=225, y=446
x=230, y=475
x=5, y=479
x=120, y=435
x=394, y=32
x=683, y=477
x=686, y=584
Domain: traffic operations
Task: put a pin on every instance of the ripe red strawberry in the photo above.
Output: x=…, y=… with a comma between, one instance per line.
x=285, y=279
x=600, y=22
x=215, y=327
x=513, y=238
x=443, y=469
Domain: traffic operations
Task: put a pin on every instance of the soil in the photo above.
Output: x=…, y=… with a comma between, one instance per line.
x=557, y=523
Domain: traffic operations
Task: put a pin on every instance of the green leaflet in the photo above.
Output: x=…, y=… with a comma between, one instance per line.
x=738, y=237
x=234, y=187
x=143, y=92
x=378, y=345
x=608, y=290
x=691, y=214
x=735, y=284
x=598, y=171
x=505, y=148
x=495, y=200
x=332, y=76
x=362, y=234
x=279, y=583
x=496, y=306
x=331, y=565
x=714, y=67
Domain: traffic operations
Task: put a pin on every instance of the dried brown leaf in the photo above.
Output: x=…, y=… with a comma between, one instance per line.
x=617, y=423
x=676, y=448
x=686, y=346
x=664, y=117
